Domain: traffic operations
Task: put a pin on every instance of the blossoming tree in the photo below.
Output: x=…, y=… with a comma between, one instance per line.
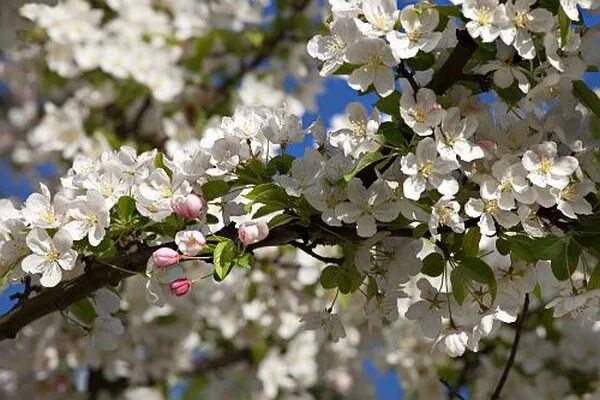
x=448, y=231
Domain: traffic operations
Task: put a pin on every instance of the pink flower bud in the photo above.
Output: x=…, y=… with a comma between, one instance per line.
x=251, y=232
x=189, y=206
x=165, y=257
x=179, y=287
x=190, y=242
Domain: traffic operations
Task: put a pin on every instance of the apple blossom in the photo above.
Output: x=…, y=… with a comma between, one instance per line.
x=421, y=111
x=251, y=232
x=165, y=257
x=50, y=256
x=190, y=242
x=426, y=168
x=419, y=33
x=374, y=58
x=180, y=287
x=189, y=206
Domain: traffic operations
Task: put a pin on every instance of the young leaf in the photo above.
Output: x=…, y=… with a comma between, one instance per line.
x=478, y=270
x=223, y=256
x=329, y=277
x=433, y=264
x=564, y=23
x=368, y=159
x=125, y=207
x=470, y=244
x=594, y=280
x=214, y=189
x=83, y=311
x=457, y=279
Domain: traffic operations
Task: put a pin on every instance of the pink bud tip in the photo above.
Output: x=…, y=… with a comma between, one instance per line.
x=251, y=232
x=189, y=206
x=165, y=257
x=179, y=287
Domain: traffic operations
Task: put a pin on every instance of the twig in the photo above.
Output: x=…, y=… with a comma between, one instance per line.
x=408, y=76
x=513, y=351
x=452, y=393
x=308, y=250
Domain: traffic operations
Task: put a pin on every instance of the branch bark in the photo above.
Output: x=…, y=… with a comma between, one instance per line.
x=99, y=274
x=452, y=70
x=513, y=351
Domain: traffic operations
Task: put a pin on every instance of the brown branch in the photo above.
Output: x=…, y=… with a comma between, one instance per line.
x=513, y=351
x=99, y=274
x=452, y=70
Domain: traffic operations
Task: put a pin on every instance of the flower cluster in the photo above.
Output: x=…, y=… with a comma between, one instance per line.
x=465, y=198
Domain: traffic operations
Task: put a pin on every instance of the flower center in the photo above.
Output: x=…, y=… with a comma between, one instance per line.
x=373, y=59
x=52, y=255
x=568, y=193
x=359, y=127
x=546, y=166
x=415, y=36
x=167, y=192
x=444, y=214
x=336, y=44
x=490, y=206
x=505, y=186
x=91, y=220
x=382, y=22
x=420, y=114
x=521, y=19
x=484, y=17
x=48, y=217
x=426, y=169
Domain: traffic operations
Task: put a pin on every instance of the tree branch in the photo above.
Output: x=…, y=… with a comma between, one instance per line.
x=308, y=250
x=513, y=351
x=452, y=70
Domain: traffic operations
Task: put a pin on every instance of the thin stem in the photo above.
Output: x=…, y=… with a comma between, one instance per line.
x=408, y=76
x=330, y=309
x=513, y=351
x=308, y=250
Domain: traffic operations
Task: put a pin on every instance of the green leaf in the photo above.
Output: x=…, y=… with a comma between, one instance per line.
x=281, y=164
x=564, y=23
x=269, y=193
x=470, y=244
x=478, y=270
x=329, y=277
x=125, y=207
x=420, y=230
x=349, y=280
x=345, y=277
x=546, y=248
x=522, y=248
x=391, y=133
x=83, y=311
x=565, y=261
x=390, y=104
x=214, y=189
x=365, y=161
x=345, y=69
x=223, y=256
x=280, y=219
x=421, y=62
x=433, y=264
x=503, y=246
x=266, y=210
x=159, y=162
x=244, y=261
x=594, y=280
x=587, y=97
x=458, y=282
